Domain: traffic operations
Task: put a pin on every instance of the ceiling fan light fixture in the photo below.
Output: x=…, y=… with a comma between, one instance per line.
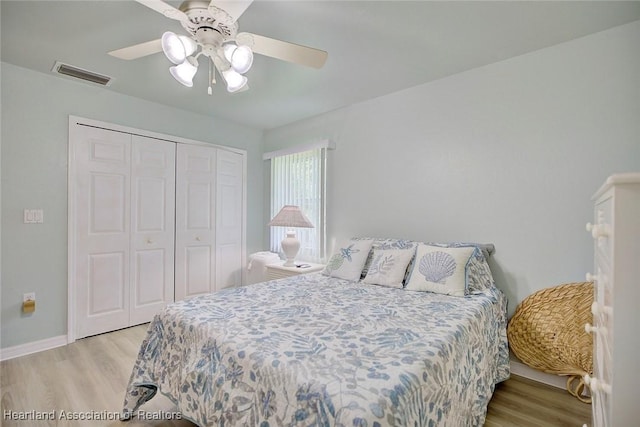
x=235, y=81
x=189, y=44
x=184, y=72
x=240, y=57
x=173, y=48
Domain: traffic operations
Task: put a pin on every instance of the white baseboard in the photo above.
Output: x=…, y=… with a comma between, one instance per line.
x=32, y=347
x=519, y=368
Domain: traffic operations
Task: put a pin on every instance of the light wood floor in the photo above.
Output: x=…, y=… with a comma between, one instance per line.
x=90, y=376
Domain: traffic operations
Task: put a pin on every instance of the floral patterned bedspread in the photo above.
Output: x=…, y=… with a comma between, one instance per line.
x=312, y=350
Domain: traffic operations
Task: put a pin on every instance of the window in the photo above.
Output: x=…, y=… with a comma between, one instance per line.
x=299, y=178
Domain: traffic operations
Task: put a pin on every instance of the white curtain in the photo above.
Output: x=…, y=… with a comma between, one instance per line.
x=299, y=179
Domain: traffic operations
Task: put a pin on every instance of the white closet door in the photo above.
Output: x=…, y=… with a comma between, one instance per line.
x=152, y=227
x=229, y=219
x=102, y=210
x=195, y=220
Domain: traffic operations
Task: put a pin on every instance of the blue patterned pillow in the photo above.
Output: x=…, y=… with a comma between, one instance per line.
x=388, y=267
x=441, y=270
x=379, y=243
x=348, y=261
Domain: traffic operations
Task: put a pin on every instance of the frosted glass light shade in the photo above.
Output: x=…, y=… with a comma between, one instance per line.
x=240, y=57
x=177, y=47
x=184, y=72
x=173, y=48
x=235, y=81
x=189, y=44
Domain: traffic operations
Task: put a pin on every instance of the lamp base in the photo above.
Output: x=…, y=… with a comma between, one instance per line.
x=290, y=247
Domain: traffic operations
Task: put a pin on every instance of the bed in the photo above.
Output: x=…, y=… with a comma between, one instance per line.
x=317, y=350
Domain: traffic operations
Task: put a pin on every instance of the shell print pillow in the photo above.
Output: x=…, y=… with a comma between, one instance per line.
x=440, y=270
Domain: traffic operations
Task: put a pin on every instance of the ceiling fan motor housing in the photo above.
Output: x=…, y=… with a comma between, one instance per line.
x=204, y=19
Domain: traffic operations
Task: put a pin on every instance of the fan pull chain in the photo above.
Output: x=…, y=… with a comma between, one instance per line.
x=212, y=77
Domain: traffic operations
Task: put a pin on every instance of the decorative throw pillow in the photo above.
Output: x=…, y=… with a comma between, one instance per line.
x=388, y=267
x=347, y=263
x=440, y=270
x=379, y=243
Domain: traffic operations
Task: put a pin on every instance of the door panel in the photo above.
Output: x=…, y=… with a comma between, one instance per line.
x=195, y=227
x=152, y=230
x=229, y=219
x=107, y=283
x=102, y=200
x=107, y=203
x=198, y=269
x=149, y=273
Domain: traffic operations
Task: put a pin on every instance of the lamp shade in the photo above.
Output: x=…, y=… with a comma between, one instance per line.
x=291, y=216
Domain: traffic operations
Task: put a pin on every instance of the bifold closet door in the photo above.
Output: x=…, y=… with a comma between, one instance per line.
x=195, y=220
x=152, y=227
x=123, y=190
x=229, y=219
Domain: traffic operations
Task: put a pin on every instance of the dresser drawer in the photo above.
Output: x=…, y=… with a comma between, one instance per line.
x=602, y=231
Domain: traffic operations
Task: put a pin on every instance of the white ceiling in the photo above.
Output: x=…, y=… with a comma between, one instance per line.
x=375, y=47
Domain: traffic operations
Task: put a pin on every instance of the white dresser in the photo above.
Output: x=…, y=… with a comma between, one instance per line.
x=616, y=308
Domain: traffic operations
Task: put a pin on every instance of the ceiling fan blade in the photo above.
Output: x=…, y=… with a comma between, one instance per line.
x=165, y=9
x=285, y=51
x=138, y=50
x=234, y=8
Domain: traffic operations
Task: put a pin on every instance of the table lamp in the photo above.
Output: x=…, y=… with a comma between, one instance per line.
x=290, y=216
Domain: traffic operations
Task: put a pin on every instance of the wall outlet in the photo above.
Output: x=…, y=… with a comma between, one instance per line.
x=29, y=303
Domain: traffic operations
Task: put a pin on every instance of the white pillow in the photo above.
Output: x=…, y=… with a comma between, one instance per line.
x=440, y=270
x=388, y=267
x=348, y=261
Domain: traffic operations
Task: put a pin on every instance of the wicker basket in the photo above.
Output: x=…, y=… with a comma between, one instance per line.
x=547, y=333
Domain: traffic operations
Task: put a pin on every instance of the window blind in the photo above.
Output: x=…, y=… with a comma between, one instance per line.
x=299, y=179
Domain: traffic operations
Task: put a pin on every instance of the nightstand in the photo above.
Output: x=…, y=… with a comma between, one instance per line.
x=278, y=271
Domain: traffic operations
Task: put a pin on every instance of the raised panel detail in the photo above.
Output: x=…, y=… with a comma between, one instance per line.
x=198, y=205
x=107, y=203
x=106, y=283
x=151, y=204
x=230, y=216
x=152, y=159
x=149, y=277
x=198, y=163
x=198, y=269
x=107, y=151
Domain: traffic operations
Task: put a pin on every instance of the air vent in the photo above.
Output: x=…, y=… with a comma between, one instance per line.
x=79, y=73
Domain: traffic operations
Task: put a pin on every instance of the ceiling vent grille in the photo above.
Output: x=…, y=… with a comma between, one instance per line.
x=79, y=73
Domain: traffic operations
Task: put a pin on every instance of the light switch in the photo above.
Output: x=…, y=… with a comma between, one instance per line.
x=33, y=216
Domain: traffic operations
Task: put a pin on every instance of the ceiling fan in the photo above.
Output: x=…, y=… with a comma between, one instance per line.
x=213, y=33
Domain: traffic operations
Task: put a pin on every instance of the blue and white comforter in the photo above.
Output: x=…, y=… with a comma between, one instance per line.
x=317, y=351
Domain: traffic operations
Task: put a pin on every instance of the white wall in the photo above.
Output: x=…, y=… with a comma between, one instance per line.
x=509, y=153
x=35, y=111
